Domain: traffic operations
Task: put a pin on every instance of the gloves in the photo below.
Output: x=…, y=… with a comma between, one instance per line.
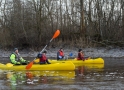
x=22, y=60
x=18, y=62
x=27, y=62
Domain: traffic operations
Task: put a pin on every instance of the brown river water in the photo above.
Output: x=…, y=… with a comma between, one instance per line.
x=109, y=76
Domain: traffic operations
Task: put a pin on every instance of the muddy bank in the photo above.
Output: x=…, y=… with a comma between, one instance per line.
x=51, y=52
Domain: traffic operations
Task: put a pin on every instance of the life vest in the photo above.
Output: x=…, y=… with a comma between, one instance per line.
x=80, y=56
x=14, y=57
x=61, y=53
x=43, y=58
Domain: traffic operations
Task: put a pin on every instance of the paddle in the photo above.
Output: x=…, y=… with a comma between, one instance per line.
x=9, y=64
x=56, y=34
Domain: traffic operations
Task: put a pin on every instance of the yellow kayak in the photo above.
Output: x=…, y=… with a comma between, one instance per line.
x=75, y=61
x=53, y=66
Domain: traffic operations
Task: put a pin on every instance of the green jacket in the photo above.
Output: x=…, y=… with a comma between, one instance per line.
x=14, y=58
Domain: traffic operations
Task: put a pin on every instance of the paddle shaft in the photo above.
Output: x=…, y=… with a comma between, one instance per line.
x=56, y=34
x=46, y=46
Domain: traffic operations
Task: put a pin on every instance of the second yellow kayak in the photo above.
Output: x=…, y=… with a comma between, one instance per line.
x=75, y=61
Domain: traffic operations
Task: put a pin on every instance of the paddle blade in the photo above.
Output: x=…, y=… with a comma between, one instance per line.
x=9, y=64
x=29, y=65
x=56, y=34
x=36, y=60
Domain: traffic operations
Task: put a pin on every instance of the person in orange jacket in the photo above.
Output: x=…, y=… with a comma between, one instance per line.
x=60, y=54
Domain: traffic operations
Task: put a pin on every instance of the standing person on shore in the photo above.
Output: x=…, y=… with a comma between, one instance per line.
x=80, y=55
x=43, y=58
x=60, y=54
x=16, y=59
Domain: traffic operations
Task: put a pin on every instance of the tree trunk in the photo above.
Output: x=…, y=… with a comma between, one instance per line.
x=82, y=26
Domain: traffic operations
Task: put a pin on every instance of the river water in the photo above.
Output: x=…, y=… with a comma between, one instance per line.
x=109, y=76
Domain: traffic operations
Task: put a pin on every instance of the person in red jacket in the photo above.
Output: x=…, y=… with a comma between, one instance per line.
x=80, y=55
x=43, y=58
x=60, y=54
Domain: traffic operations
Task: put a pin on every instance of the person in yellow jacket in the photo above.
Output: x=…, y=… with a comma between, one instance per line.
x=16, y=59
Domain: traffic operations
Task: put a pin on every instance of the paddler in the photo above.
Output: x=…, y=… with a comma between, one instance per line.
x=43, y=58
x=16, y=59
x=80, y=55
x=60, y=54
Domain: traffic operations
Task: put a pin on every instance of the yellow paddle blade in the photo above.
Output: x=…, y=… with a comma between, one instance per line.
x=36, y=60
x=9, y=64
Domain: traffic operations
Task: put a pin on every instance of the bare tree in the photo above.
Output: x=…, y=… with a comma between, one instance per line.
x=32, y=22
x=82, y=17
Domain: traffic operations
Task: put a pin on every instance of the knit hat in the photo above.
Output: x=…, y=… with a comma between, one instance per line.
x=79, y=50
x=45, y=51
x=61, y=48
x=15, y=49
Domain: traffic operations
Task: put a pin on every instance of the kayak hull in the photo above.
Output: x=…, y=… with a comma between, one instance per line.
x=75, y=61
x=69, y=64
x=53, y=66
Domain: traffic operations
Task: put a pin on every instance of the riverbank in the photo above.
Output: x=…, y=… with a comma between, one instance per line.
x=51, y=52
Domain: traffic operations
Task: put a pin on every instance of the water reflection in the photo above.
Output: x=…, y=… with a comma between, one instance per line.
x=81, y=69
x=85, y=73
x=38, y=77
x=21, y=78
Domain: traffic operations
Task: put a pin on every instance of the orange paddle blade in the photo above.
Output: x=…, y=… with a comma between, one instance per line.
x=56, y=34
x=29, y=65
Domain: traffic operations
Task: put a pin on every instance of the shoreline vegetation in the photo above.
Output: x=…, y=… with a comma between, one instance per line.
x=30, y=24
x=52, y=52
x=82, y=23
